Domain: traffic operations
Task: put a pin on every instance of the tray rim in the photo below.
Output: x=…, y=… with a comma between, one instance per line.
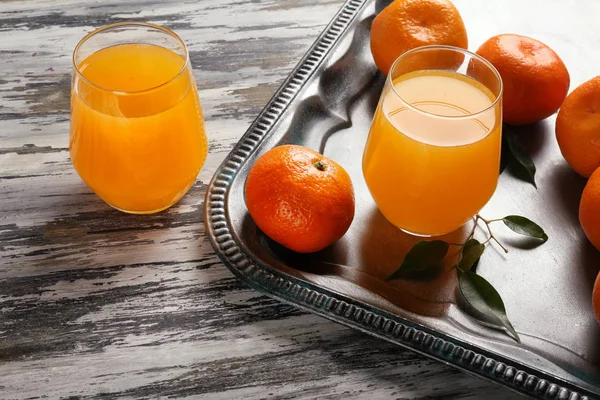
x=335, y=306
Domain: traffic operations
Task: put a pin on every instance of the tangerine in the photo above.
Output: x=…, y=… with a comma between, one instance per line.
x=535, y=79
x=406, y=24
x=299, y=198
x=596, y=298
x=589, y=209
x=578, y=128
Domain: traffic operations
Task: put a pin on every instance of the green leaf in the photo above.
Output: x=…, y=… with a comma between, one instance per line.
x=521, y=160
x=525, y=227
x=481, y=295
x=423, y=256
x=471, y=252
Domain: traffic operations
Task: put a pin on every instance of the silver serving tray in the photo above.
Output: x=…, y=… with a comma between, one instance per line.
x=327, y=103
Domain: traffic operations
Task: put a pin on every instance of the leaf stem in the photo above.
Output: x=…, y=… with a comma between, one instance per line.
x=473, y=230
x=492, y=237
x=500, y=244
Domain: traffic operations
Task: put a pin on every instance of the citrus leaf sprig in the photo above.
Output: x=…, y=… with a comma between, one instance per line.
x=517, y=156
x=422, y=257
x=483, y=297
x=478, y=293
x=471, y=252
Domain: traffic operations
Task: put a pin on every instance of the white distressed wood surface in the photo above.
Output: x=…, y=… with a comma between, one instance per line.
x=98, y=304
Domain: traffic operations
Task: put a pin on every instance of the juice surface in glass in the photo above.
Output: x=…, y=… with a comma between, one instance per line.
x=431, y=165
x=137, y=130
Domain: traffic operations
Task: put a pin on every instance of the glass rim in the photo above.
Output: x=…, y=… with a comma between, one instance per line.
x=129, y=23
x=465, y=52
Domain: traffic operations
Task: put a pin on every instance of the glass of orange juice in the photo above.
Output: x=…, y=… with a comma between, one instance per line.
x=137, y=130
x=432, y=158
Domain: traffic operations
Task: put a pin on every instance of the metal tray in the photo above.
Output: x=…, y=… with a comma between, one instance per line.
x=327, y=103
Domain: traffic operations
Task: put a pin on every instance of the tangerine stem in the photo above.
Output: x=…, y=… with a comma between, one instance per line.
x=319, y=165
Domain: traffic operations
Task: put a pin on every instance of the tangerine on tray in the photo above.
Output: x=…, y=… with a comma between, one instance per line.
x=536, y=80
x=596, y=298
x=589, y=209
x=300, y=198
x=406, y=24
x=578, y=128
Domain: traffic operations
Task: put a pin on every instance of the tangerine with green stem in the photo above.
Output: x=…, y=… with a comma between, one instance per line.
x=299, y=198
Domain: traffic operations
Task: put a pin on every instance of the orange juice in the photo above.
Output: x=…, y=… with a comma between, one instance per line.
x=137, y=130
x=429, y=163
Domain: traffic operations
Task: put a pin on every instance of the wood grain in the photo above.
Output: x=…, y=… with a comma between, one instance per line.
x=98, y=304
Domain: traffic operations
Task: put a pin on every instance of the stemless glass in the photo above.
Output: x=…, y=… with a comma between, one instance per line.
x=432, y=158
x=137, y=130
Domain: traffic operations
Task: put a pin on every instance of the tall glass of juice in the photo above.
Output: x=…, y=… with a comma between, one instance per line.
x=137, y=129
x=432, y=158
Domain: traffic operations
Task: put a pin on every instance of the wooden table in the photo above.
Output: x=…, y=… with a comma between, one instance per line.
x=95, y=303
